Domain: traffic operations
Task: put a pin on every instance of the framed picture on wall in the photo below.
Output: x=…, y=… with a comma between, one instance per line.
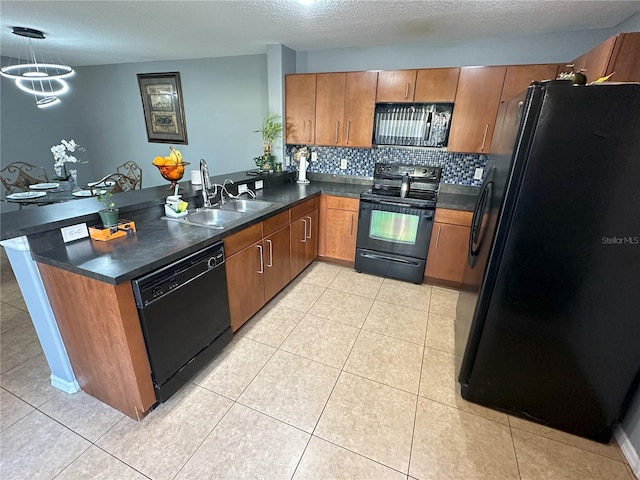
x=163, y=109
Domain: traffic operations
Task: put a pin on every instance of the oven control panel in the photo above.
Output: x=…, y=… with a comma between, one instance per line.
x=395, y=170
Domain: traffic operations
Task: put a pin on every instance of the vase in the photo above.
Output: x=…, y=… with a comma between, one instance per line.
x=268, y=163
x=109, y=217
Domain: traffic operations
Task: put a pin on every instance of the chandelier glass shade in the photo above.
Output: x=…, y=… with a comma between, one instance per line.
x=33, y=74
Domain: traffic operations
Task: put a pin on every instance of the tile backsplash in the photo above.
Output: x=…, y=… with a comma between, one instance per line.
x=457, y=168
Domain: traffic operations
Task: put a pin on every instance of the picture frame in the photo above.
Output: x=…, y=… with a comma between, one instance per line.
x=163, y=107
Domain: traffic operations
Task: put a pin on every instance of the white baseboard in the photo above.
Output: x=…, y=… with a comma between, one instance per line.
x=628, y=451
x=64, y=385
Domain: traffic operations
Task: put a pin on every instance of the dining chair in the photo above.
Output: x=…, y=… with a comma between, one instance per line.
x=132, y=170
x=121, y=183
x=17, y=176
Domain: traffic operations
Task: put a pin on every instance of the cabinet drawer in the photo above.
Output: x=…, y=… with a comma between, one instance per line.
x=275, y=223
x=343, y=203
x=304, y=209
x=242, y=239
x=456, y=217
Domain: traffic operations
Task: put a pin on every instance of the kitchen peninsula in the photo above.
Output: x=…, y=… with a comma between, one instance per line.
x=88, y=283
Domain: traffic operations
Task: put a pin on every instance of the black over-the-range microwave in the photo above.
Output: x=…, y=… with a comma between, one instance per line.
x=414, y=124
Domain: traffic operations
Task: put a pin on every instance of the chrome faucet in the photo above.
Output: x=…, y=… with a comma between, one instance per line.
x=206, y=184
x=230, y=195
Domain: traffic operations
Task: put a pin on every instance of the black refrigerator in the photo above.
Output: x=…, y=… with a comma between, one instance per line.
x=548, y=321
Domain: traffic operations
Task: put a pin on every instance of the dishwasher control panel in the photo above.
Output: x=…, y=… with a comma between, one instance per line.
x=163, y=281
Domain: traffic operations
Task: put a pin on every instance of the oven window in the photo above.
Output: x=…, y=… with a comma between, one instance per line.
x=394, y=227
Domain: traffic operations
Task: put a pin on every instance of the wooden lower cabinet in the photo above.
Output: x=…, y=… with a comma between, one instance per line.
x=277, y=272
x=447, y=255
x=338, y=227
x=257, y=266
x=263, y=258
x=245, y=284
x=304, y=235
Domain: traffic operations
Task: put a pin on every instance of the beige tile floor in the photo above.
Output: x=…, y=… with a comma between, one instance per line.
x=341, y=375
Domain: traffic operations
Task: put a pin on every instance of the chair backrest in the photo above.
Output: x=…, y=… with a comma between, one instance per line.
x=133, y=171
x=121, y=183
x=17, y=176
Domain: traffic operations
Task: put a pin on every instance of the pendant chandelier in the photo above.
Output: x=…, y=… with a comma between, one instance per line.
x=33, y=73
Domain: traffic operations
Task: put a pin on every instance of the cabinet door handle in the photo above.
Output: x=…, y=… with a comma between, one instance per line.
x=351, y=226
x=270, y=264
x=305, y=228
x=304, y=240
x=310, y=131
x=337, y=132
x=438, y=237
x=261, y=260
x=348, y=128
x=406, y=90
x=484, y=138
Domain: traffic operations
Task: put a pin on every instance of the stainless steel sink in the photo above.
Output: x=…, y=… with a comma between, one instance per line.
x=245, y=206
x=212, y=217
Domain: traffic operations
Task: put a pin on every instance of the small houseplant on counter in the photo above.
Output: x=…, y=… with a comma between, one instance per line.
x=108, y=215
x=271, y=131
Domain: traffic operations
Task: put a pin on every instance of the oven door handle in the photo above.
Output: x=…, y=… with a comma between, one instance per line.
x=394, y=204
x=391, y=259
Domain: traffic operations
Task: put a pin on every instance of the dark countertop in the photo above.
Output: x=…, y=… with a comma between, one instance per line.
x=457, y=197
x=157, y=241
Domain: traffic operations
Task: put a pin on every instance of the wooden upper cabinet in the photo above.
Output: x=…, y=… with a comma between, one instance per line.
x=330, y=99
x=625, y=58
x=300, y=108
x=596, y=60
x=437, y=85
x=518, y=77
x=359, y=108
x=345, y=103
x=475, y=109
x=396, y=86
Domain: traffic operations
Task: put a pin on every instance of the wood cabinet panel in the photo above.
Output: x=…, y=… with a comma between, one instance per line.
x=625, y=59
x=298, y=235
x=475, y=110
x=275, y=223
x=342, y=203
x=242, y=239
x=300, y=108
x=304, y=208
x=304, y=237
x=436, y=85
x=330, y=99
x=277, y=272
x=103, y=339
x=447, y=252
x=396, y=86
x=245, y=284
x=340, y=234
x=596, y=60
x=518, y=77
x=359, y=109
x=458, y=217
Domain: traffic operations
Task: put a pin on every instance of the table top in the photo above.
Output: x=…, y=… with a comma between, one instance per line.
x=46, y=197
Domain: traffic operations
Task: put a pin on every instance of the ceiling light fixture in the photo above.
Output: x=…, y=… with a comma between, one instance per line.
x=32, y=69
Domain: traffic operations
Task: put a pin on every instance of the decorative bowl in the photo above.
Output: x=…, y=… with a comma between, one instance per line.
x=173, y=172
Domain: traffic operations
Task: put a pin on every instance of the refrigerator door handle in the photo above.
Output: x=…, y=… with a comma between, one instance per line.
x=478, y=216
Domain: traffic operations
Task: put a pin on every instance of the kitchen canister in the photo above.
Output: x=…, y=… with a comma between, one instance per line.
x=196, y=178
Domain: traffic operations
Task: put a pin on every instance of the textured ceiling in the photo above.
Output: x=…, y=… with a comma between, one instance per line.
x=105, y=32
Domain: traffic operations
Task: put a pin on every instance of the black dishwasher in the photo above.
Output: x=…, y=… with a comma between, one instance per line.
x=184, y=312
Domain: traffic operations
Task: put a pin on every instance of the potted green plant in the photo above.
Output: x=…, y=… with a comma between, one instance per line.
x=271, y=131
x=108, y=215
